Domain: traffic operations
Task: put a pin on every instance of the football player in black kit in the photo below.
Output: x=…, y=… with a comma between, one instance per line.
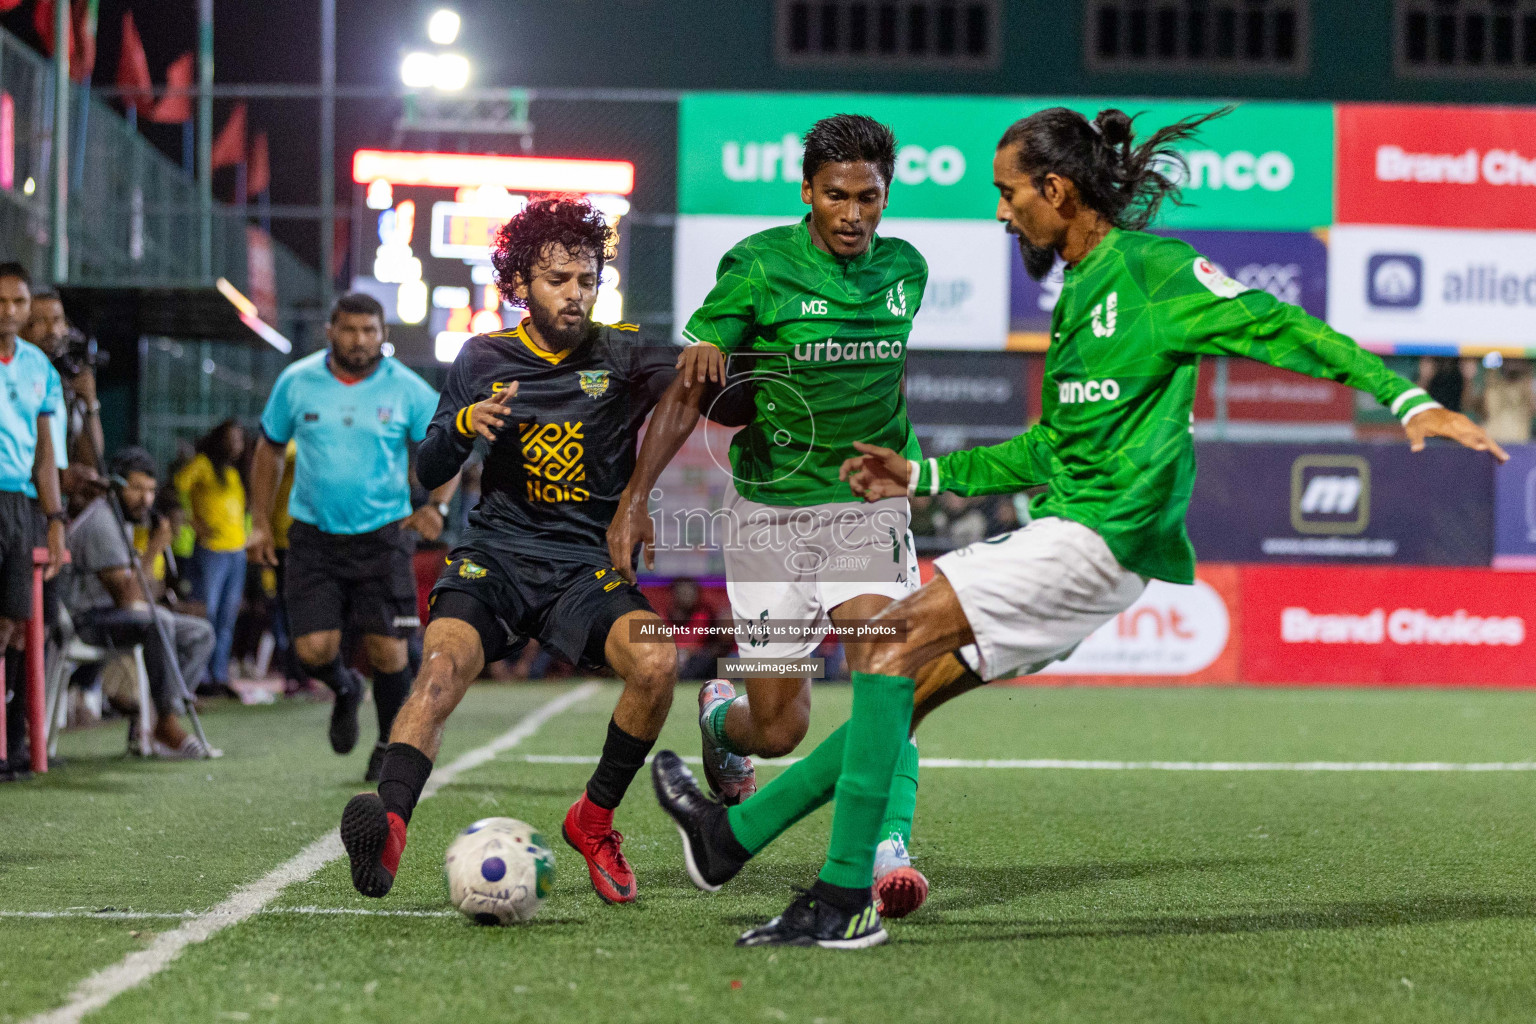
x=559, y=400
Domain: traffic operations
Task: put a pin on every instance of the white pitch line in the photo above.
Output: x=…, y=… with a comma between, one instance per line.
x=1145, y=766
x=138, y=967
x=149, y=915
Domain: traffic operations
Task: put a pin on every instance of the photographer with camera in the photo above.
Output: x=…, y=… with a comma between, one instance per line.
x=77, y=437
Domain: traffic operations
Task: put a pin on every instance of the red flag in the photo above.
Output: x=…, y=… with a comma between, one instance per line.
x=229, y=144
x=82, y=46
x=175, y=109
x=42, y=22
x=258, y=175
x=133, y=68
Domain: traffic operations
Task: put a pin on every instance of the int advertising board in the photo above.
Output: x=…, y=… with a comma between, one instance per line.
x=1264, y=166
x=1430, y=285
x=1437, y=166
x=1342, y=503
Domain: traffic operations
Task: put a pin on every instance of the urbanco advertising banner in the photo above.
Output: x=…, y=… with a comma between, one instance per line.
x=1172, y=633
x=1433, y=284
x=1290, y=265
x=1437, y=166
x=965, y=304
x=1342, y=503
x=1263, y=166
x=1514, y=498
x=1387, y=626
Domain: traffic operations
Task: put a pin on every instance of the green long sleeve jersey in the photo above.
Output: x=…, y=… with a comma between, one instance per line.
x=1113, y=446
x=823, y=341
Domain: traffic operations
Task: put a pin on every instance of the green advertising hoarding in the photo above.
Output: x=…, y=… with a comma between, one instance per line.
x=1265, y=166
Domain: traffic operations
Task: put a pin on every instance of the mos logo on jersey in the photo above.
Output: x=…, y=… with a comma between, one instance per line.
x=593, y=382
x=1330, y=494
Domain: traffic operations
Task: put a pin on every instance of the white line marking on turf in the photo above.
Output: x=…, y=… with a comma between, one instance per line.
x=149, y=915
x=1145, y=766
x=138, y=967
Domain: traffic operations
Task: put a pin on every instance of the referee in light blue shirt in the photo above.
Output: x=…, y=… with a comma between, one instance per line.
x=353, y=412
x=30, y=393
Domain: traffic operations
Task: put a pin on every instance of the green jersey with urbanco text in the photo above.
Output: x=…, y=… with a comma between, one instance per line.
x=824, y=340
x=1114, y=445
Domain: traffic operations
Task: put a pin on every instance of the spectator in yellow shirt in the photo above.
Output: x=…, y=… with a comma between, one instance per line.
x=212, y=489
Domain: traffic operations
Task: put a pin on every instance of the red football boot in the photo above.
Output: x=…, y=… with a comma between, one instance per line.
x=589, y=830
x=375, y=839
x=900, y=891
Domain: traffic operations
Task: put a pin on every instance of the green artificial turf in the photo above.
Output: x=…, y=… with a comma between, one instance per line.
x=1058, y=895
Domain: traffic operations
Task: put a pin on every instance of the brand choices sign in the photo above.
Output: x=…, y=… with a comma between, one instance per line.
x=1401, y=625
x=1437, y=166
x=1266, y=165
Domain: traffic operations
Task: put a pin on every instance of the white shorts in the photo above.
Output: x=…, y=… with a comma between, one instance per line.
x=794, y=564
x=1031, y=596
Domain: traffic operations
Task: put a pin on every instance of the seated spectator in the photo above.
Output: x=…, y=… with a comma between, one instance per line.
x=1506, y=402
x=110, y=609
x=704, y=633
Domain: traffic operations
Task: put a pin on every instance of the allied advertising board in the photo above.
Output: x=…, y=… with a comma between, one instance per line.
x=1342, y=503
x=1433, y=285
x=1437, y=166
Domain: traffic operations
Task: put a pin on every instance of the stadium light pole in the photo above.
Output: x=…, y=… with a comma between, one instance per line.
x=327, y=153
x=204, y=136
x=60, y=268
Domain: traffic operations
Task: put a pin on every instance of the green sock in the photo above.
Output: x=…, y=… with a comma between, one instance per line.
x=715, y=722
x=903, y=802
x=877, y=731
x=795, y=792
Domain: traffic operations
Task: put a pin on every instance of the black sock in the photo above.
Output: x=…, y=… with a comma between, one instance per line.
x=389, y=693
x=847, y=900
x=724, y=840
x=402, y=778
x=623, y=756
x=16, y=710
x=333, y=674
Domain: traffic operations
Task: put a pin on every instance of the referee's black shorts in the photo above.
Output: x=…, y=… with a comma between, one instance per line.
x=18, y=536
x=360, y=582
x=510, y=596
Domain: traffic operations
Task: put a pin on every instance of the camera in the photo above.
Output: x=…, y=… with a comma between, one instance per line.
x=79, y=354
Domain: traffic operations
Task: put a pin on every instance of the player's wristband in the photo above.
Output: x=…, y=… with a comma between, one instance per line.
x=913, y=472
x=461, y=420
x=933, y=480
x=1425, y=407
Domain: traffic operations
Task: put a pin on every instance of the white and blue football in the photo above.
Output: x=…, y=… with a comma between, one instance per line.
x=499, y=871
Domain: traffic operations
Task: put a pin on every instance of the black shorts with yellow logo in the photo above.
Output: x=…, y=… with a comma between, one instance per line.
x=510, y=596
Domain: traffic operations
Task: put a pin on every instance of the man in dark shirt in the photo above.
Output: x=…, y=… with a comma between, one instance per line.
x=557, y=402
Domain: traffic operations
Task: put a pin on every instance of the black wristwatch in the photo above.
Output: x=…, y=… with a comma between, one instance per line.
x=53, y=517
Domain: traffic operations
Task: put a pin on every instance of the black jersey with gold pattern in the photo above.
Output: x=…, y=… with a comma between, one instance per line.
x=554, y=475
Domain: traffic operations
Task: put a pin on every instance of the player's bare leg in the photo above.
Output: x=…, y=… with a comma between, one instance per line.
x=373, y=826
x=649, y=671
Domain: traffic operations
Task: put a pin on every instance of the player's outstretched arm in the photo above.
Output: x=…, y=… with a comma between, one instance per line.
x=700, y=363
x=1017, y=464
x=672, y=421
x=1438, y=422
x=876, y=472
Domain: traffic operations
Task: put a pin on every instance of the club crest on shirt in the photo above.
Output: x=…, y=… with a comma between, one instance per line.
x=386, y=413
x=896, y=299
x=593, y=382
x=470, y=571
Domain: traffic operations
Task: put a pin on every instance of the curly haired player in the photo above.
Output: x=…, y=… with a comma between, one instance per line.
x=558, y=402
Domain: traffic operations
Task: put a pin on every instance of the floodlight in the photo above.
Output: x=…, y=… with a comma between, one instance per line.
x=418, y=70
x=443, y=27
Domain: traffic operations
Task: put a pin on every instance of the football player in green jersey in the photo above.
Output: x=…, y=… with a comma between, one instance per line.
x=818, y=315
x=1115, y=453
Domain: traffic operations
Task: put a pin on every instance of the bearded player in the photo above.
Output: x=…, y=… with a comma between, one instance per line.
x=558, y=401
x=817, y=316
x=1114, y=451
